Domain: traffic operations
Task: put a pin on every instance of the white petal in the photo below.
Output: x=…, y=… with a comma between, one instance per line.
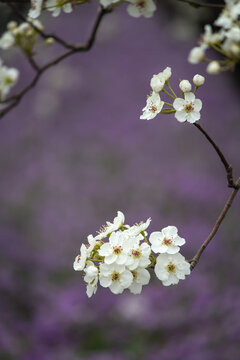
x=126, y=278
x=105, y=250
x=116, y=287
x=170, y=230
x=189, y=96
x=105, y=281
x=193, y=116
x=181, y=116
x=110, y=259
x=135, y=288
x=178, y=104
x=143, y=276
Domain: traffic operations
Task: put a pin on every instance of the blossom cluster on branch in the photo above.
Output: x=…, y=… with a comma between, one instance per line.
x=225, y=40
x=119, y=256
x=186, y=108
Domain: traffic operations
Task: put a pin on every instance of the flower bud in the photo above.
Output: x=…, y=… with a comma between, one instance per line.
x=198, y=80
x=196, y=55
x=185, y=86
x=49, y=41
x=167, y=73
x=235, y=49
x=213, y=68
x=157, y=83
x=11, y=25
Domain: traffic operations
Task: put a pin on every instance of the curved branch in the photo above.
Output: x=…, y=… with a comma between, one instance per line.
x=227, y=166
x=222, y=215
x=202, y=4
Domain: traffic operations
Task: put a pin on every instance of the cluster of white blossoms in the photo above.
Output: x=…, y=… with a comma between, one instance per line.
x=186, y=108
x=136, y=8
x=8, y=78
x=225, y=41
x=119, y=256
x=24, y=36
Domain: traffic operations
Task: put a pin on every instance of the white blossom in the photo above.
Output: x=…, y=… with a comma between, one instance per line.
x=157, y=82
x=198, y=80
x=171, y=268
x=213, y=68
x=115, y=276
x=106, y=230
x=8, y=78
x=196, y=55
x=85, y=251
x=153, y=107
x=187, y=109
x=116, y=250
x=57, y=5
x=139, y=256
x=166, y=241
x=91, y=278
x=138, y=8
x=137, y=229
x=36, y=8
x=140, y=277
x=185, y=86
x=229, y=14
x=7, y=40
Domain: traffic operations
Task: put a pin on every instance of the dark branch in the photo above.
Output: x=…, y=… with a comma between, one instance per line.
x=227, y=166
x=202, y=4
x=222, y=215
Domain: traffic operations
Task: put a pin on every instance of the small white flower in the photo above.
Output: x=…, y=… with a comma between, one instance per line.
x=91, y=278
x=116, y=250
x=36, y=8
x=56, y=5
x=139, y=256
x=171, y=268
x=198, y=80
x=139, y=8
x=116, y=277
x=8, y=78
x=213, y=68
x=85, y=251
x=166, y=241
x=153, y=107
x=229, y=14
x=106, y=230
x=196, y=55
x=7, y=40
x=140, y=277
x=185, y=86
x=187, y=109
x=135, y=230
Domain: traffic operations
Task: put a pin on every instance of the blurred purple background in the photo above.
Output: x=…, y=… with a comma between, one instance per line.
x=72, y=154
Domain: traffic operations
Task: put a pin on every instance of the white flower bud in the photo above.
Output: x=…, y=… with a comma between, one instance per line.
x=198, y=80
x=11, y=25
x=157, y=83
x=213, y=68
x=196, y=55
x=185, y=86
x=167, y=73
x=49, y=41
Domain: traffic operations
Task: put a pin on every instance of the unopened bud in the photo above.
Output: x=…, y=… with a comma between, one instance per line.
x=49, y=41
x=213, y=68
x=196, y=55
x=185, y=86
x=198, y=80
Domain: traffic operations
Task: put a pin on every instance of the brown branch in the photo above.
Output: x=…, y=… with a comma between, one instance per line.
x=202, y=4
x=227, y=166
x=222, y=215
x=14, y=100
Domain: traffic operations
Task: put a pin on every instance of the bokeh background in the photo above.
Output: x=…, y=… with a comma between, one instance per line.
x=73, y=153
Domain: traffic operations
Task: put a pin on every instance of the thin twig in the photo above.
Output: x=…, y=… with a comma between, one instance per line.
x=222, y=215
x=202, y=4
x=14, y=100
x=227, y=166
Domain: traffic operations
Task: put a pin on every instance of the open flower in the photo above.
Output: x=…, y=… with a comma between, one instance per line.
x=56, y=5
x=116, y=277
x=36, y=8
x=116, y=250
x=91, y=278
x=140, y=277
x=166, y=240
x=153, y=107
x=187, y=109
x=171, y=268
x=139, y=8
x=85, y=251
x=118, y=222
x=139, y=256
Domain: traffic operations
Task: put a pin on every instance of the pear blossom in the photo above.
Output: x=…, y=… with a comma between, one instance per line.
x=7, y=40
x=85, y=251
x=56, y=5
x=8, y=78
x=137, y=229
x=153, y=107
x=139, y=256
x=115, y=276
x=229, y=14
x=116, y=250
x=187, y=109
x=36, y=8
x=166, y=241
x=171, y=268
x=106, y=230
x=138, y=8
x=140, y=277
x=157, y=82
x=91, y=278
